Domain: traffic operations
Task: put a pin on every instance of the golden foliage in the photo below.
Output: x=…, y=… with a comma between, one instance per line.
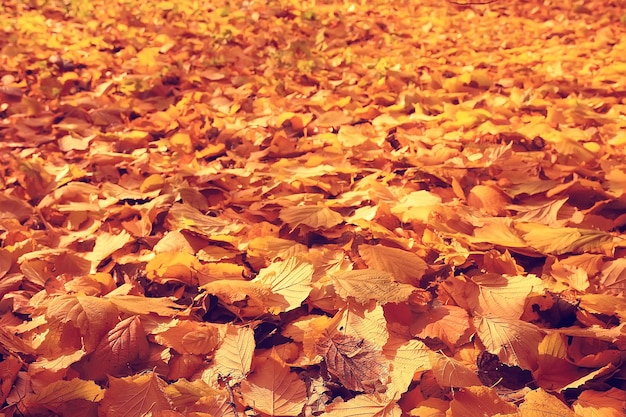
x=312, y=207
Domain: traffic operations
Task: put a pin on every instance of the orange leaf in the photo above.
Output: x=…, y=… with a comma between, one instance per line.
x=503, y=296
x=606, y=404
x=447, y=323
x=118, y=350
x=488, y=198
x=479, y=402
x=135, y=396
x=173, y=267
x=539, y=403
x=514, y=341
x=134, y=304
x=416, y=206
x=9, y=368
x=273, y=389
x=106, y=244
x=364, y=405
x=185, y=395
x=315, y=217
x=92, y=316
x=406, y=357
x=562, y=240
x=55, y=395
x=613, y=277
x=244, y=298
x=365, y=322
x=406, y=267
x=191, y=337
x=185, y=217
x=450, y=372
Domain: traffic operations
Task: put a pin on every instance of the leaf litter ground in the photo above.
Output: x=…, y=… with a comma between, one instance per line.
x=310, y=208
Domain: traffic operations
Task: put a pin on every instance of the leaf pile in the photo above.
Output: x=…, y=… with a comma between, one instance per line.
x=311, y=208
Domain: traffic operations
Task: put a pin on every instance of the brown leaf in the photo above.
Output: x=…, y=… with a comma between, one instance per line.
x=357, y=363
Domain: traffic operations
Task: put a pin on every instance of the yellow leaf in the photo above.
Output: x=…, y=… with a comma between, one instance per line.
x=233, y=358
x=173, y=267
x=181, y=142
x=416, y=206
x=369, y=284
x=289, y=281
x=148, y=57
x=562, y=240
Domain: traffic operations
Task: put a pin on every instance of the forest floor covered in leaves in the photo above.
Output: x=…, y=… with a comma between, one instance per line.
x=312, y=208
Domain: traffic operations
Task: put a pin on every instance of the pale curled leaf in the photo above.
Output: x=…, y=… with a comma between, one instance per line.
x=315, y=217
x=234, y=356
x=367, y=284
x=290, y=280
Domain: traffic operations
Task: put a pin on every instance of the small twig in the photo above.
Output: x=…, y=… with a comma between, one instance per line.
x=231, y=396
